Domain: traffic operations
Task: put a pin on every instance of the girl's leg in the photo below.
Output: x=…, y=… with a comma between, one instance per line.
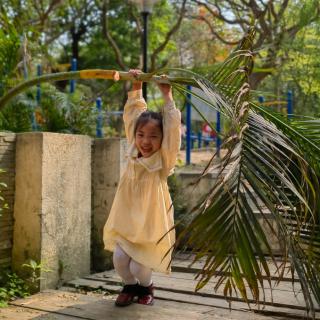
x=142, y=273
x=121, y=262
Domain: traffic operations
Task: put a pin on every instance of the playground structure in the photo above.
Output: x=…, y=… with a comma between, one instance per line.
x=283, y=106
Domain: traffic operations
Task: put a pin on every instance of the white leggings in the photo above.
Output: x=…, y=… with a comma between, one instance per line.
x=129, y=270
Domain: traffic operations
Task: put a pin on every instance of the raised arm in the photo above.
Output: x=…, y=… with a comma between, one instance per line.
x=134, y=106
x=171, y=130
x=171, y=140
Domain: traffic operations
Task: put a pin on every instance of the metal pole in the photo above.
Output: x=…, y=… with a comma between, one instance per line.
x=73, y=68
x=99, y=118
x=145, y=51
x=289, y=105
x=218, y=128
x=39, y=73
x=188, y=125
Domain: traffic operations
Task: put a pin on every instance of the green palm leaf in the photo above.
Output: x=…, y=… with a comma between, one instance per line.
x=264, y=172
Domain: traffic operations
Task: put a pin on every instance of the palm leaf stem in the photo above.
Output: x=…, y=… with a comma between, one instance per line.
x=90, y=74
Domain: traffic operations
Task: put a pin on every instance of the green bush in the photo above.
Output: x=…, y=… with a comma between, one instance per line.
x=11, y=287
x=180, y=207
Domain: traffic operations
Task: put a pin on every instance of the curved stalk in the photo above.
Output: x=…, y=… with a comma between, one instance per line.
x=88, y=74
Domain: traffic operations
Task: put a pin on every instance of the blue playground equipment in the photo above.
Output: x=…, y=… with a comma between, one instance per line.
x=288, y=104
x=191, y=137
x=99, y=132
x=74, y=65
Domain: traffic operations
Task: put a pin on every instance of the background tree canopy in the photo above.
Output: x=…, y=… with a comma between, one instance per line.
x=193, y=34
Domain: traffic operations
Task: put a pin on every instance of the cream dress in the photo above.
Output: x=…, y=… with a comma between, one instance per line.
x=142, y=211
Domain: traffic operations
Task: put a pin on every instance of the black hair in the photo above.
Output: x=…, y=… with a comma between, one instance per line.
x=145, y=117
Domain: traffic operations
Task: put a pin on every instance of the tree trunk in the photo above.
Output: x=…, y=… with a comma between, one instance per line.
x=75, y=43
x=256, y=78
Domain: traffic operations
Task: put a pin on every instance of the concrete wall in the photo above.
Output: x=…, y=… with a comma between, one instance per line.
x=58, y=178
x=52, y=208
x=7, y=163
x=108, y=163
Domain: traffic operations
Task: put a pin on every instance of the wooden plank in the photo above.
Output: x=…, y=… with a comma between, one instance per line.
x=285, y=286
x=282, y=296
x=182, y=262
x=79, y=306
x=219, y=304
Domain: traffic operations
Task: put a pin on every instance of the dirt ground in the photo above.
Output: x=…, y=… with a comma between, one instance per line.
x=200, y=157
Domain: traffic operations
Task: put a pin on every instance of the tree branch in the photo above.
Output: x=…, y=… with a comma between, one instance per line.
x=215, y=34
x=219, y=14
x=137, y=20
x=168, y=36
x=260, y=16
x=106, y=34
x=53, y=4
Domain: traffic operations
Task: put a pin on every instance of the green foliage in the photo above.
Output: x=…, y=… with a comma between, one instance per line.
x=34, y=271
x=179, y=205
x=11, y=287
x=65, y=113
x=68, y=113
x=302, y=71
x=297, y=66
x=16, y=117
x=57, y=112
x=9, y=54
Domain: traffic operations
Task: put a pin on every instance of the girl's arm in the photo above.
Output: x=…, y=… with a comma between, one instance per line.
x=171, y=130
x=134, y=106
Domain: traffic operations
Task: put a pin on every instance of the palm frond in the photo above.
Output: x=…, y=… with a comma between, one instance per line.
x=263, y=173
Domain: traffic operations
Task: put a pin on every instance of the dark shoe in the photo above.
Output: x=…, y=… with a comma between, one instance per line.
x=146, y=295
x=127, y=295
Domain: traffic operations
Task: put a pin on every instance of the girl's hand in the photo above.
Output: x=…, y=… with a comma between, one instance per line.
x=136, y=85
x=166, y=91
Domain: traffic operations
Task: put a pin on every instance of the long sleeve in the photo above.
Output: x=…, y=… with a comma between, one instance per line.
x=134, y=106
x=171, y=136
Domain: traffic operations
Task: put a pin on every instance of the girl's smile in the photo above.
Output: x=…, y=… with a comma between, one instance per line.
x=148, y=138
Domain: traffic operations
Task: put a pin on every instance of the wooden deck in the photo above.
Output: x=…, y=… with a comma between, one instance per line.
x=92, y=298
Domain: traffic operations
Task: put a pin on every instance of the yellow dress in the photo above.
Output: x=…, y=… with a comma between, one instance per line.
x=142, y=211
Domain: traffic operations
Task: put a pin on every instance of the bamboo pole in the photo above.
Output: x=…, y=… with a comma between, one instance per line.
x=87, y=74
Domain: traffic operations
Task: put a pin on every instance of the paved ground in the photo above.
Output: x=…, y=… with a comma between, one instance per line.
x=92, y=298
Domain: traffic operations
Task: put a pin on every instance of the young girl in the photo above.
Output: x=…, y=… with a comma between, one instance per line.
x=142, y=211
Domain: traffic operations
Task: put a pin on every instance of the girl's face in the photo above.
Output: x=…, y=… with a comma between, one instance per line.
x=148, y=138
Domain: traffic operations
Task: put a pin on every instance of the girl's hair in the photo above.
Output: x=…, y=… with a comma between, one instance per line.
x=145, y=117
